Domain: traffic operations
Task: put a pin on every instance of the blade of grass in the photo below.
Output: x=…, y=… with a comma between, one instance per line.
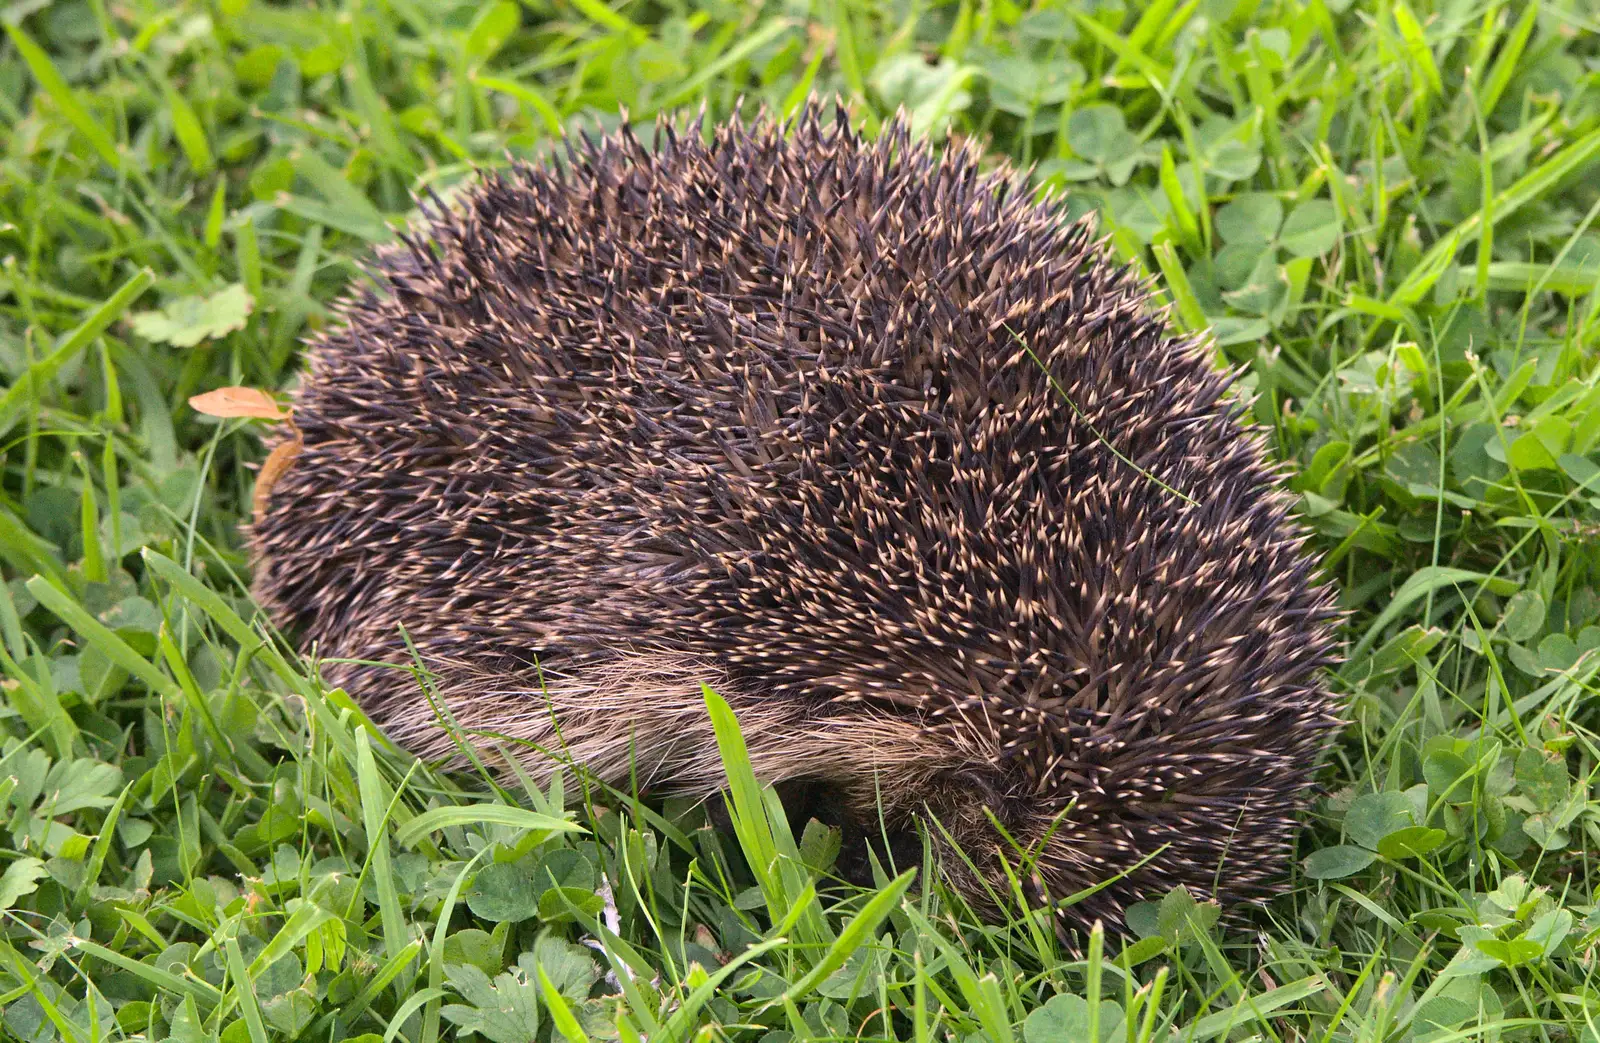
x=861, y=928
x=1525, y=190
x=243, y=991
x=66, y=99
x=375, y=818
x=16, y=396
x=482, y=814
x=100, y=636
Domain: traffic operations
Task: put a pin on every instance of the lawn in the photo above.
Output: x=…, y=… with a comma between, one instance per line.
x=1384, y=209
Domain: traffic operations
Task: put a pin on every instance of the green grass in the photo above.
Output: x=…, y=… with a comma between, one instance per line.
x=1386, y=211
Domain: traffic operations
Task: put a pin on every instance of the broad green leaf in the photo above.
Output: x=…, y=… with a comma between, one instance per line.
x=21, y=879
x=1373, y=816
x=1410, y=842
x=1550, y=930
x=1100, y=133
x=1252, y=217
x=1542, y=777
x=1523, y=618
x=491, y=29
x=187, y=321
x=1182, y=918
x=1337, y=862
x=1065, y=1019
x=1513, y=953
x=1311, y=229
x=504, y=1010
x=503, y=891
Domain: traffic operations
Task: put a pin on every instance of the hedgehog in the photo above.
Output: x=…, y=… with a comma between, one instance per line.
x=863, y=434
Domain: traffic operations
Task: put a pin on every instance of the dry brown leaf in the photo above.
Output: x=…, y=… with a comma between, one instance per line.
x=238, y=402
x=275, y=466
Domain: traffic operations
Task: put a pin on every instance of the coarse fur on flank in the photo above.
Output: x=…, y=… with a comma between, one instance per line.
x=869, y=439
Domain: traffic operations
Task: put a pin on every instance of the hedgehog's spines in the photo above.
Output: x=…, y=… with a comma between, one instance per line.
x=771, y=404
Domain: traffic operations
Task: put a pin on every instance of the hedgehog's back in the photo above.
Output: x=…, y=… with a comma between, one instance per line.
x=890, y=449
